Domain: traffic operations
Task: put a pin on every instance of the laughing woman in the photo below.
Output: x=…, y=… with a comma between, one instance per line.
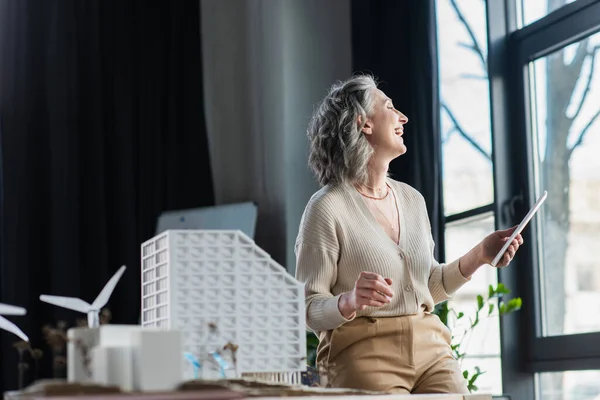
x=365, y=253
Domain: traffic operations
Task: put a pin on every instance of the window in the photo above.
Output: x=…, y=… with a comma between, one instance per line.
x=572, y=385
x=565, y=95
x=465, y=113
x=546, y=110
x=467, y=171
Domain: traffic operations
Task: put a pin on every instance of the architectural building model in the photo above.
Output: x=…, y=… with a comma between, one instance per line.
x=131, y=357
x=240, y=313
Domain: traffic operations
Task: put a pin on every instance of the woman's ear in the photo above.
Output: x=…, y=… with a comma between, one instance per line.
x=367, y=129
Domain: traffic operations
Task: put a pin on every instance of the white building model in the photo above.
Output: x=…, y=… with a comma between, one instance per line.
x=218, y=287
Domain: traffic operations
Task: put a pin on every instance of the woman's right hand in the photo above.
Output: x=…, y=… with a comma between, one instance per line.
x=370, y=290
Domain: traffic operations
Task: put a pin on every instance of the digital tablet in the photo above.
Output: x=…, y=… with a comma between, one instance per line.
x=520, y=228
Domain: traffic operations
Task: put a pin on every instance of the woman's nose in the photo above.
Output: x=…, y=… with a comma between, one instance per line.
x=403, y=119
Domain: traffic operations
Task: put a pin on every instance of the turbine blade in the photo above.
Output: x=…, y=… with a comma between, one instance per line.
x=104, y=295
x=7, y=309
x=10, y=327
x=67, y=302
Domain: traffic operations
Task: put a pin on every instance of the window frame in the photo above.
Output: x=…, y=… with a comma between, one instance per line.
x=524, y=351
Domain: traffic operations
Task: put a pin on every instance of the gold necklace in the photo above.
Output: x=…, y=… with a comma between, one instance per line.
x=373, y=189
x=372, y=197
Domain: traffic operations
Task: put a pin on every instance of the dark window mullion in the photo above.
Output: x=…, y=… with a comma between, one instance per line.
x=515, y=332
x=469, y=213
x=582, y=348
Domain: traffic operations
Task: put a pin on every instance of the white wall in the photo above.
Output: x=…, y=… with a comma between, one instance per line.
x=266, y=63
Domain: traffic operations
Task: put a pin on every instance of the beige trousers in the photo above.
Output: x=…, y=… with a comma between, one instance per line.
x=409, y=354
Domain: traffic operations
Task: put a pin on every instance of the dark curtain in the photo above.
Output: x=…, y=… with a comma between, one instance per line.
x=396, y=42
x=101, y=108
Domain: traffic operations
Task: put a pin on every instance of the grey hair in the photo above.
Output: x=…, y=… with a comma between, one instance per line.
x=339, y=152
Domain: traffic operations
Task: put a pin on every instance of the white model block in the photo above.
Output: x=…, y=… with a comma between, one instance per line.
x=156, y=359
x=113, y=366
x=192, y=279
x=105, y=335
x=129, y=356
x=77, y=371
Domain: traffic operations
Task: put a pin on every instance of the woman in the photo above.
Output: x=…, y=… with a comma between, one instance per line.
x=365, y=252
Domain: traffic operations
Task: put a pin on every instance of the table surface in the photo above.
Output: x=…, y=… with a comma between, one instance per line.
x=216, y=390
x=217, y=395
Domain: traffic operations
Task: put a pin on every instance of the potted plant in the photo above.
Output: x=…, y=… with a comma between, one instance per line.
x=490, y=305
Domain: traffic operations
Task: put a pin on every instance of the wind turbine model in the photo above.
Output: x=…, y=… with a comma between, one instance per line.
x=92, y=310
x=5, y=324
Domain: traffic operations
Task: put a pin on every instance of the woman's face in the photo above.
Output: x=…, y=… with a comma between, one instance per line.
x=385, y=127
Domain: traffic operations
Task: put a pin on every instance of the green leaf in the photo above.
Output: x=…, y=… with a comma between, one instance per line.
x=501, y=289
x=476, y=320
x=514, y=304
x=491, y=291
x=479, y=302
x=442, y=311
x=490, y=309
x=460, y=315
x=502, y=309
x=466, y=374
x=312, y=342
x=471, y=383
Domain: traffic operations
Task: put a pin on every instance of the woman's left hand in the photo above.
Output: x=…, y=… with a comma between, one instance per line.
x=491, y=245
